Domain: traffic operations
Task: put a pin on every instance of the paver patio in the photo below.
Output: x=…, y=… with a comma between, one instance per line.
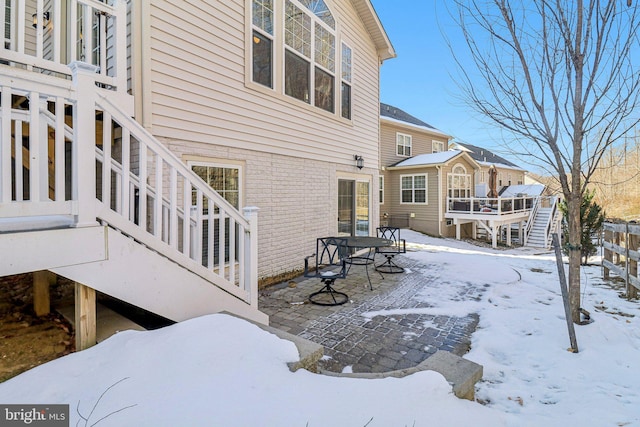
x=378, y=330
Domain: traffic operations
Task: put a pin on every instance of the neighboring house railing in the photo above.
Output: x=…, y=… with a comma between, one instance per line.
x=42, y=40
x=103, y=166
x=489, y=206
x=621, y=256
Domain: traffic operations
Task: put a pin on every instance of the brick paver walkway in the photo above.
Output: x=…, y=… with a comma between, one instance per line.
x=358, y=339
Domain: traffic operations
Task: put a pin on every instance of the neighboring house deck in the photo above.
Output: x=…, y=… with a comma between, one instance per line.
x=137, y=139
x=441, y=188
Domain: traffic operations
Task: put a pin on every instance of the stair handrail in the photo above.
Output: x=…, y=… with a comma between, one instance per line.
x=531, y=219
x=181, y=243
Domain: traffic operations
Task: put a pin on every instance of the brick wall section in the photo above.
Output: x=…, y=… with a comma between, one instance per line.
x=297, y=200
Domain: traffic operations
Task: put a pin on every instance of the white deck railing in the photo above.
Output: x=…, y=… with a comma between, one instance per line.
x=489, y=206
x=40, y=38
x=105, y=167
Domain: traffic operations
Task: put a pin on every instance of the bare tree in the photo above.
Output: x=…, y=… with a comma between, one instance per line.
x=559, y=77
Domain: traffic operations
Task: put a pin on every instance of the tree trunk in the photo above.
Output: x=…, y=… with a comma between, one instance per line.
x=575, y=255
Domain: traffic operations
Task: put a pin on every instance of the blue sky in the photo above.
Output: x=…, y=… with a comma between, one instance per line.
x=420, y=80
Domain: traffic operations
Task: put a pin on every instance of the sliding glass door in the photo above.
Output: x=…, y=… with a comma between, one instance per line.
x=353, y=207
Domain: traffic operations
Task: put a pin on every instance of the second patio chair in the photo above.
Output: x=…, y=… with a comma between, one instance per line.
x=398, y=247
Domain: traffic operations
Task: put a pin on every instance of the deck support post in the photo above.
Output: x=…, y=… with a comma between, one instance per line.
x=85, y=316
x=41, y=298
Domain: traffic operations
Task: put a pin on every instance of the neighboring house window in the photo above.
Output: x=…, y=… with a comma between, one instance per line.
x=7, y=24
x=519, y=182
x=262, y=39
x=345, y=89
x=500, y=179
x=381, y=189
x=482, y=177
x=403, y=145
x=437, y=146
x=459, y=182
x=509, y=179
x=413, y=189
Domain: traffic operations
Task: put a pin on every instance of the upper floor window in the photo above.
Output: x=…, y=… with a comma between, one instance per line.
x=381, y=189
x=437, y=146
x=262, y=39
x=313, y=56
x=403, y=145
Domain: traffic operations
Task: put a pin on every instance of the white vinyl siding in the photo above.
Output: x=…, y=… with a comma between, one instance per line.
x=200, y=91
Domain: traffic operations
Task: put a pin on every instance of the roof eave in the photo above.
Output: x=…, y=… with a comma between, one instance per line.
x=374, y=27
x=415, y=127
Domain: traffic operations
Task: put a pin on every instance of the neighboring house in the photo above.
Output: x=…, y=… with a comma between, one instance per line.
x=507, y=172
x=443, y=192
x=272, y=103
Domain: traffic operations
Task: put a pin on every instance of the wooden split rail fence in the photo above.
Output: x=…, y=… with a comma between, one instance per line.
x=621, y=254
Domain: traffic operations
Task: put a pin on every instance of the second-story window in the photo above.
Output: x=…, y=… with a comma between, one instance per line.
x=437, y=146
x=403, y=145
x=301, y=35
x=262, y=39
x=346, y=82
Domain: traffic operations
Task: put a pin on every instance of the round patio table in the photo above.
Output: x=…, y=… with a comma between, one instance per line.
x=365, y=242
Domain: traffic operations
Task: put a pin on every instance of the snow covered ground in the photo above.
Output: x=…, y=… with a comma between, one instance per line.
x=220, y=371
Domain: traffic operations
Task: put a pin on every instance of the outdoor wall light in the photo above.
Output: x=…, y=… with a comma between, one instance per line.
x=45, y=19
x=359, y=161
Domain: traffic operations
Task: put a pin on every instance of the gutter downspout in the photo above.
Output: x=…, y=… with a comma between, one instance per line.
x=441, y=205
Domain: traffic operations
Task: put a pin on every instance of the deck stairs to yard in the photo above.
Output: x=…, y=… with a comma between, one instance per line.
x=88, y=193
x=544, y=223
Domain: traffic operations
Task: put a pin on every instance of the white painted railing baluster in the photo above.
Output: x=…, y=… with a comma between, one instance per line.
x=87, y=39
x=107, y=141
x=186, y=216
x=232, y=250
x=35, y=147
x=173, y=208
x=197, y=244
x=157, y=202
x=60, y=163
x=73, y=30
x=5, y=146
x=142, y=188
x=21, y=27
x=221, y=241
x=19, y=186
x=40, y=29
x=57, y=30
x=211, y=221
x=126, y=170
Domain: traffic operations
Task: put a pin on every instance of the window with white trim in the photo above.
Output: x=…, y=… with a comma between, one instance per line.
x=223, y=178
x=381, y=189
x=226, y=180
x=317, y=64
x=345, y=89
x=459, y=182
x=413, y=189
x=262, y=42
x=403, y=145
x=437, y=146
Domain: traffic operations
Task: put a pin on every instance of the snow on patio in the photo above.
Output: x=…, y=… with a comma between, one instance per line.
x=220, y=371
